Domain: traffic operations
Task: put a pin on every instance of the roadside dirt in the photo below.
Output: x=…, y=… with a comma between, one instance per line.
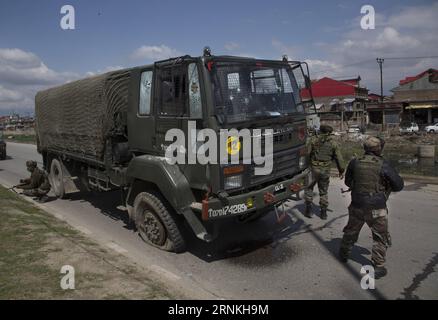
x=34, y=246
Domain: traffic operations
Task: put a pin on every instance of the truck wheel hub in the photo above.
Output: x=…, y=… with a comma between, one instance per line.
x=153, y=229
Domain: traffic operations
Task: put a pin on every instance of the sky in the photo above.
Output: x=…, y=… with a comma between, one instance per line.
x=36, y=53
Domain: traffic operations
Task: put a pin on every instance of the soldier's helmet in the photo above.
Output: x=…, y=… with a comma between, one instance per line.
x=31, y=164
x=326, y=129
x=373, y=144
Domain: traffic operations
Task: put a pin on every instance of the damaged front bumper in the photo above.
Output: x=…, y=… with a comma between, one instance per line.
x=254, y=201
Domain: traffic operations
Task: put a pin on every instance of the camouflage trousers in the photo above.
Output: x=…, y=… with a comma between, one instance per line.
x=377, y=221
x=321, y=176
x=35, y=192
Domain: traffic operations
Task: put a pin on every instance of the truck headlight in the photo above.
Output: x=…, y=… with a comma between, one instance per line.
x=302, y=162
x=233, y=182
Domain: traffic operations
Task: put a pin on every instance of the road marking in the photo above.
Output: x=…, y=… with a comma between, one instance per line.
x=116, y=247
x=165, y=273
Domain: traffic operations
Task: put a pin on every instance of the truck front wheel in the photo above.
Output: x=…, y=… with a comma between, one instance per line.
x=155, y=224
x=56, y=177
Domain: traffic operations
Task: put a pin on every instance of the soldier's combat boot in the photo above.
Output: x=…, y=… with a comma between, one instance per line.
x=323, y=215
x=308, y=211
x=43, y=199
x=380, y=272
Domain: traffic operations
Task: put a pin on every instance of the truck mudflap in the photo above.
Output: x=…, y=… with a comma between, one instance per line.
x=254, y=201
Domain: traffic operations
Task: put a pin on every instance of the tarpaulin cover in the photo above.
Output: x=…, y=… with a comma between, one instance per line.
x=78, y=117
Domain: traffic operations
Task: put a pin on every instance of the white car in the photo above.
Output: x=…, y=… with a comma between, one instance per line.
x=353, y=129
x=411, y=127
x=432, y=129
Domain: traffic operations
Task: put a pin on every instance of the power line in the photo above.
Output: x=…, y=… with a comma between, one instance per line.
x=406, y=58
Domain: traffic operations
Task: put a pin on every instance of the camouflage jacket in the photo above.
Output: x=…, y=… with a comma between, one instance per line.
x=323, y=150
x=38, y=179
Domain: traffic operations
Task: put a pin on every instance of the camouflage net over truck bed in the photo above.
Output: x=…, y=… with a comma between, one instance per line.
x=78, y=117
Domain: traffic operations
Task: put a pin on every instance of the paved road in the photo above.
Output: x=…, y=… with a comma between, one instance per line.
x=295, y=259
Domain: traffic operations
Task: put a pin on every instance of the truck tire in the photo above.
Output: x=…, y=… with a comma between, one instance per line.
x=155, y=224
x=56, y=177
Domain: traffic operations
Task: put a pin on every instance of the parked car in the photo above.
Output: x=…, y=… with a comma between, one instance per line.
x=432, y=128
x=409, y=128
x=354, y=128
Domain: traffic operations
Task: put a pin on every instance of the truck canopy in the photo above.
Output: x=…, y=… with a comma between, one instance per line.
x=79, y=116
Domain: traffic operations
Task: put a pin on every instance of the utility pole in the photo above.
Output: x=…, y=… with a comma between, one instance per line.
x=380, y=62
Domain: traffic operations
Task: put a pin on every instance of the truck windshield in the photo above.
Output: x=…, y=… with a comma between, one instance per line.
x=249, y=91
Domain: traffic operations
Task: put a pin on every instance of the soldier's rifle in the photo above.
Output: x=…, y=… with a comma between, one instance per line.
x=17, y=186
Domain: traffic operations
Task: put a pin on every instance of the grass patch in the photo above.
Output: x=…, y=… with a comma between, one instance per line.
x=21, y=138
x=34, y=246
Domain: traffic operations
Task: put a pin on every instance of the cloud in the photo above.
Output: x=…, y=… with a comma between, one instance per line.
x=322, y=67
x=7, y=95
x=105, y=70
x=292, y=52
x=22, y=74
x=18, y=58
x=154, y=53
x=407, y=32
x=19, y=67
x=232, y=46
x=418, y=17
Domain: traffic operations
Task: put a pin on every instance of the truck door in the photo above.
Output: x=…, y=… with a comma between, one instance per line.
x=141, y=120
x=177, y=99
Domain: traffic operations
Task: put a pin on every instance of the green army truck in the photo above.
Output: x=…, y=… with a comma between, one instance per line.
x=108, y=132
x=2, y=146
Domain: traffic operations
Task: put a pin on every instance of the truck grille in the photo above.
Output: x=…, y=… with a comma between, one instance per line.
x=285, y=163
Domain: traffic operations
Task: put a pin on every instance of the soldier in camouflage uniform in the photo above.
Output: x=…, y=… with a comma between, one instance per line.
x=370, y=179
x=37, y=185
x=323, y=150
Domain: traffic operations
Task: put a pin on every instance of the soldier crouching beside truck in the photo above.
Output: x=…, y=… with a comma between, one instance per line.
x=370, y=179
x=37, y=185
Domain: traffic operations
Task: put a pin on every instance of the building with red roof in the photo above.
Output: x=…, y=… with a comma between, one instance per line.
x=415, y=100
x=340, y=102
x=419, y=96
x=325, y=90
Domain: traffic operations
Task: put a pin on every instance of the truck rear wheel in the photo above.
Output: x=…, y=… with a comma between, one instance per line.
x=57, y=178
x=155, y=224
